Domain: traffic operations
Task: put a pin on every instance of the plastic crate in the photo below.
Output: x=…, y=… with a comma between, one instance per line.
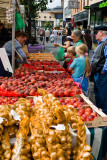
x=36, y=48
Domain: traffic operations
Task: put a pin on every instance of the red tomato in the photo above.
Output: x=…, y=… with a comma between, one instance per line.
x=82, y=110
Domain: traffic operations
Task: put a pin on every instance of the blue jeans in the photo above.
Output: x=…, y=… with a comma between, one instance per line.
x=100, y=90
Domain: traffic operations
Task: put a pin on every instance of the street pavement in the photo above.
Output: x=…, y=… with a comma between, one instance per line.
x=49, y=47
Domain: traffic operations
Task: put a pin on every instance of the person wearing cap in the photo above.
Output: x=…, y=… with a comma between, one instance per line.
x=99, y=68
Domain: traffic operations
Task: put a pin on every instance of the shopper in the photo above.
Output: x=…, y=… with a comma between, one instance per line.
x=47, y=35
x=69, y=41
x=99, y=68
x=4, y=35
x=63, y=35
x=88, y=29
x=88, y=40
x=80, y=67
x=72, y=55
x=42, y=34
x=55, y=32
x=77, y=38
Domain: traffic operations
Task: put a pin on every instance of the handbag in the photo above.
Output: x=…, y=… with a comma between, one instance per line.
x=82, y=82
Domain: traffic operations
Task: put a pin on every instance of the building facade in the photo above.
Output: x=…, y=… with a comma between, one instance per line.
x=53, y=15
x=81, y=15
x=66, y=13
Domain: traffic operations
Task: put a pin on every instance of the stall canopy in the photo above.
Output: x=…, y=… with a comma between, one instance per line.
x=4, y=4
x=16, y=6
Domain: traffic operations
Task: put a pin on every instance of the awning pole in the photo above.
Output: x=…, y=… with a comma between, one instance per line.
x=13, y=37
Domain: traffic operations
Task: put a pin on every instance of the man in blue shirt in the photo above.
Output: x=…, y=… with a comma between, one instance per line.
x=21, y=37
x=99, y=68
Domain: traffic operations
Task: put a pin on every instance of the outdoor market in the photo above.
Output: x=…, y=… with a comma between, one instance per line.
x=46, y=112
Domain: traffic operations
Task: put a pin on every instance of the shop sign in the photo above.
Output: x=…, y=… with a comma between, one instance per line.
x=73, y=4
x=87, y=7
x=103, y=4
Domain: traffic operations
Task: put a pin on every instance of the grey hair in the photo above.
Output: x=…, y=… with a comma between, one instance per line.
x=79, y=34
x=104, y=32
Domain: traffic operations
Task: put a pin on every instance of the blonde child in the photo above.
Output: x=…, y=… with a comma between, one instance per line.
x=80, y=67
x=70, y=56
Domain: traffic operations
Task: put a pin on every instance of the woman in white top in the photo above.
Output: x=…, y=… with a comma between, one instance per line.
x=55, y=32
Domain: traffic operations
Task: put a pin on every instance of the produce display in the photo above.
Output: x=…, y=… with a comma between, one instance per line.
x=21, y=148
x=37, y=140
x=58, y=84
x=44, y=65
x=77, y=102
x=5, y=146
x=63, y=115
x=41, y=56
x=42, y=126
x=8, y=100
x=86, y=113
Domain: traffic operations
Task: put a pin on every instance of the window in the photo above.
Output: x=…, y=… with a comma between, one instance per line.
x=44, y=16
x=49, y=16
x=84, y=3
x=87, y=2
x=39, y=16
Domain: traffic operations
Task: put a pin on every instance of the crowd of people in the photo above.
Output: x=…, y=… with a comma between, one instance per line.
x=77, y=45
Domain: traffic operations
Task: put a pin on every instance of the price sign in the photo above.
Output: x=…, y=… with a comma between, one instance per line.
x=5, y=60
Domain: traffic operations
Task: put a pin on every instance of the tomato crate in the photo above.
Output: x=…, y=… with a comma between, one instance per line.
x=100, y=120
x=87, y=108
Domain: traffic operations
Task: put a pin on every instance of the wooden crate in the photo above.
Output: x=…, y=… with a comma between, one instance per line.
x=101, y=120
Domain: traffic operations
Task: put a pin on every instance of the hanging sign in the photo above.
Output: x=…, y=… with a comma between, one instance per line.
x=73, y=4
x=87, y=7
x=103, y=4
x=5, y=60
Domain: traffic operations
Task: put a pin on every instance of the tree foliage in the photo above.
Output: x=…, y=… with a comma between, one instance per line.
x=35, y=5
x=48, y=24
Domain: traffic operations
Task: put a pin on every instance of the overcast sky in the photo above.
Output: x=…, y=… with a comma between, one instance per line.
x=54, y=3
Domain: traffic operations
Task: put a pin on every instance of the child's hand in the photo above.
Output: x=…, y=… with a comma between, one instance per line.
x=73, y=71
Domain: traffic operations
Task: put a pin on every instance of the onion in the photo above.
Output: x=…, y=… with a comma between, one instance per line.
x=53, y=156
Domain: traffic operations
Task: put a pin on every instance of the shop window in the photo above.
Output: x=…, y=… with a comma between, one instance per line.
x=99, y=18
x=92, y=18
x=84, y=3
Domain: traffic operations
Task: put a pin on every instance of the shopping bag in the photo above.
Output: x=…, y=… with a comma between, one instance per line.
x=60, y=54
x=19, y=24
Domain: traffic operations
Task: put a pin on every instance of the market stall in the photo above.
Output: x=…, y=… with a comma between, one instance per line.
x=43, y=104
x=7, y=15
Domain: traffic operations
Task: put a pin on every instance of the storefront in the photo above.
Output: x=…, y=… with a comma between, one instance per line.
x=98, y=14
x=81, y=19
